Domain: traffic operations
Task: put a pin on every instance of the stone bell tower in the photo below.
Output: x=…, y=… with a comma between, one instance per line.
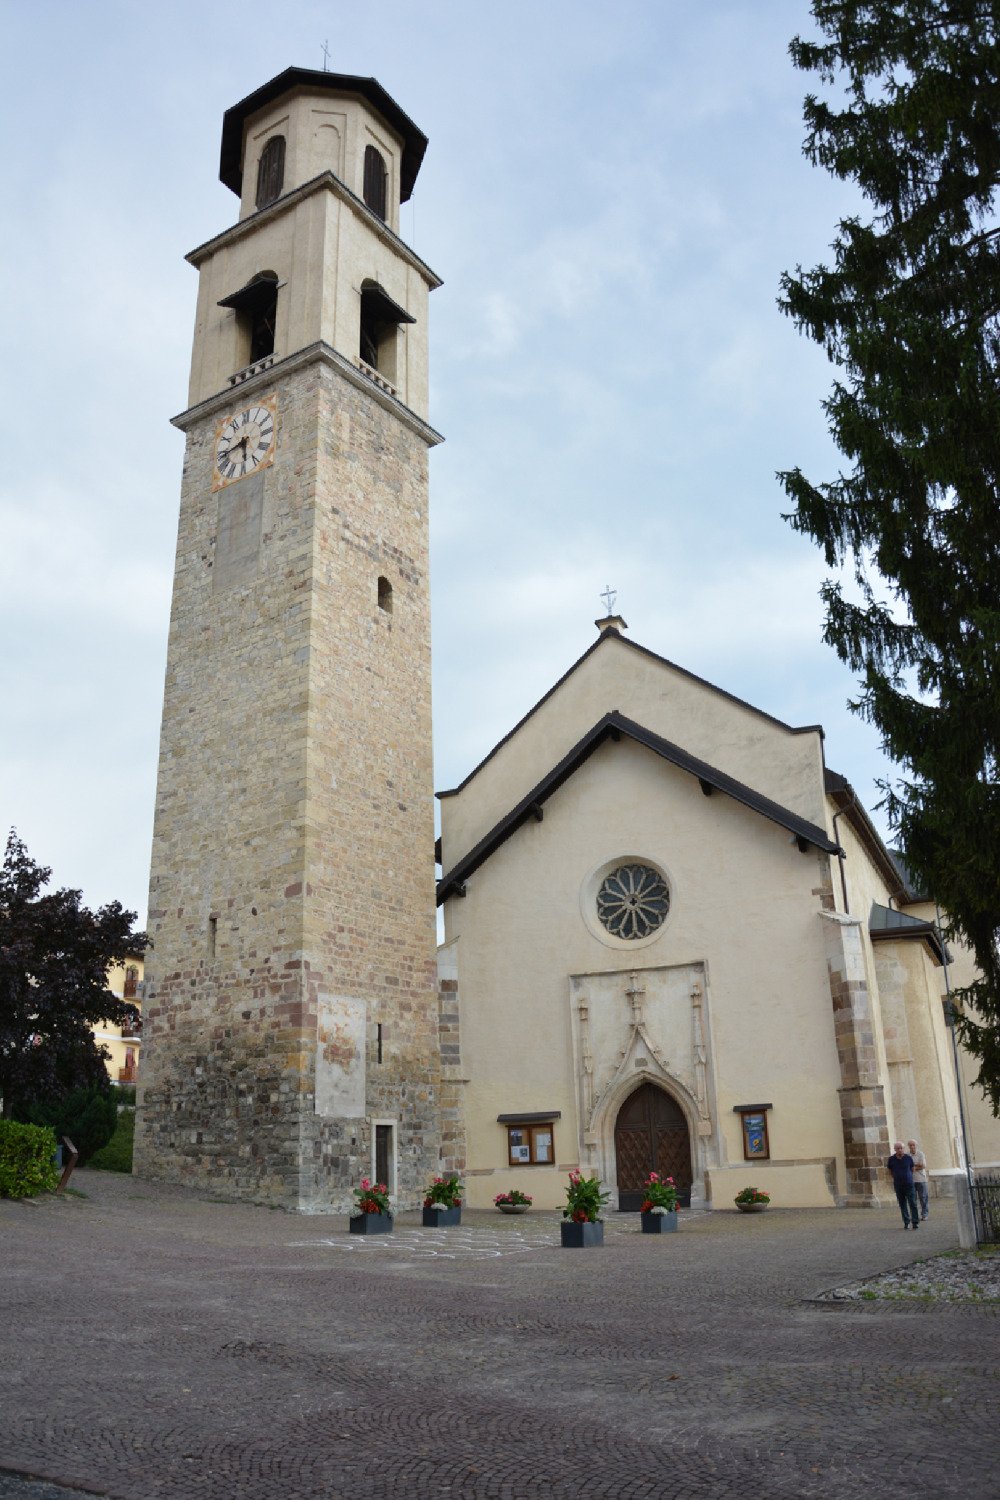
x=290, y=1014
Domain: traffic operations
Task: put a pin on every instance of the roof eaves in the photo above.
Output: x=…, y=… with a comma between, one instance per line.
x=369, y=89
x=882, y=929
x=613, y=725
x=846, y=799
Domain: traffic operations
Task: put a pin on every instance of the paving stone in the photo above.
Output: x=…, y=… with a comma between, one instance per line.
x=157, y=1343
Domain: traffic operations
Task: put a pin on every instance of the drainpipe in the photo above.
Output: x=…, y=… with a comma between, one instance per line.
x=840, y=861
x=967, y=1235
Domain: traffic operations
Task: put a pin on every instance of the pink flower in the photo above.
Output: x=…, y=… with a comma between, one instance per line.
x=365, y=1183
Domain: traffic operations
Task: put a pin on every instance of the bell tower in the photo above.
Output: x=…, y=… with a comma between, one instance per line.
x=290, y=1012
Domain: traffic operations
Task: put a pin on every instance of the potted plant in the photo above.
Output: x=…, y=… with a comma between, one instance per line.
x=372, y=1214
x=658, y=1211
x=513, y=1202
x=752, y=1201
x=443, y=1202
x=581, y=1222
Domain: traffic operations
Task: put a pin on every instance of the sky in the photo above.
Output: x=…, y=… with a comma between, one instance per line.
x=610, y=195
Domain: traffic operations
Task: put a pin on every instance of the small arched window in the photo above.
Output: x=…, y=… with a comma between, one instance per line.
x=271, y=171
x=385, y=595
x=376, y=178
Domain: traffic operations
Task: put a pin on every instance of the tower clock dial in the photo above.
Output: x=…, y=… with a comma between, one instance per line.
x=244, y=443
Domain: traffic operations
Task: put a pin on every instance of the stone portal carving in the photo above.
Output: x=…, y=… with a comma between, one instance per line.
x=642, y=1025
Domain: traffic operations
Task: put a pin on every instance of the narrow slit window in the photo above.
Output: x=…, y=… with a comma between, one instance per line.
x=385, y=1156
x=378, y=1041
x=213, y=930
x=385, y=595
x=271, y=171
x=376, y=179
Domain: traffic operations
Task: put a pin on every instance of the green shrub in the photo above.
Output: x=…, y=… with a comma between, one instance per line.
x=116, y=1156
x=87, y=1116
x=27, y=1165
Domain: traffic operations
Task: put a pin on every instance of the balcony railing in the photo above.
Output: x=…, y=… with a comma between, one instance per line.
x=375, y=377
x=254, y=369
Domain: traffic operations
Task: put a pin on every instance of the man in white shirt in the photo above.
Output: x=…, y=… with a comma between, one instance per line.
x=919, y=1176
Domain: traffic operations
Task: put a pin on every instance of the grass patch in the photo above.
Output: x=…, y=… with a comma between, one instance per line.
x=116, y=1156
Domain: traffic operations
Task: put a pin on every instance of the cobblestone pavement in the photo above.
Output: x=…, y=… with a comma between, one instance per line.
x=158, y=1345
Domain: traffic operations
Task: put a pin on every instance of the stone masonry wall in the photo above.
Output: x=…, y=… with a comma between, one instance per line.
x=453, y=1141
x=862, y=1095
x=291, y=894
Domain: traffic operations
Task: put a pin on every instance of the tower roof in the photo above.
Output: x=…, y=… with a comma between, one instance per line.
x=233, y=121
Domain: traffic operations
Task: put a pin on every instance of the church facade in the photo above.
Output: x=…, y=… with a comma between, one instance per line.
x=674, y=941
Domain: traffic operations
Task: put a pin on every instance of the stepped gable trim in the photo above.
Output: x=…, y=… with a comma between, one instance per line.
x=613, y=726
x=845, y=800
x=645, y=651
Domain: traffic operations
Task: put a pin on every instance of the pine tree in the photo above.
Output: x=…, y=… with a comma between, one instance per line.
x=909, y=312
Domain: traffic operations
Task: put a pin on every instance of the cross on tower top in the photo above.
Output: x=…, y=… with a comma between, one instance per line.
x=609, y=596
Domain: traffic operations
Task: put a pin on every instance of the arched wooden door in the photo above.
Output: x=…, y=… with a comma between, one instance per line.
x=651, y=1135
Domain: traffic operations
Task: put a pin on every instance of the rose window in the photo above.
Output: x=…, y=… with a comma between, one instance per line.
x=633, y=901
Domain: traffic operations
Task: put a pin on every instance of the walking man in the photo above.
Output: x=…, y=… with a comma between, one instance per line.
x=900, y=1166
x=919, y=1176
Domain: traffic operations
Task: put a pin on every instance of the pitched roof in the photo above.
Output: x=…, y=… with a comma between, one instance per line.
x=886, y=924
x=613, y=726
x=653, y=656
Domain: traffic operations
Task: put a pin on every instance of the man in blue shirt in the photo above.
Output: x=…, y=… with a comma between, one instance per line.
x=900, y=1165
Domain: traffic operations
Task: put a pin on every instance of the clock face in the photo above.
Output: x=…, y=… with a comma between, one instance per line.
x=244, y=443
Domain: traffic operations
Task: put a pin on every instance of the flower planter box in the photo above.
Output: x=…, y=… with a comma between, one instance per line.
x=580, y=1236
x=513, y=1208
x=659, y=1223
x=751, y=1208
x=442, y=1218
x=370, y=1223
